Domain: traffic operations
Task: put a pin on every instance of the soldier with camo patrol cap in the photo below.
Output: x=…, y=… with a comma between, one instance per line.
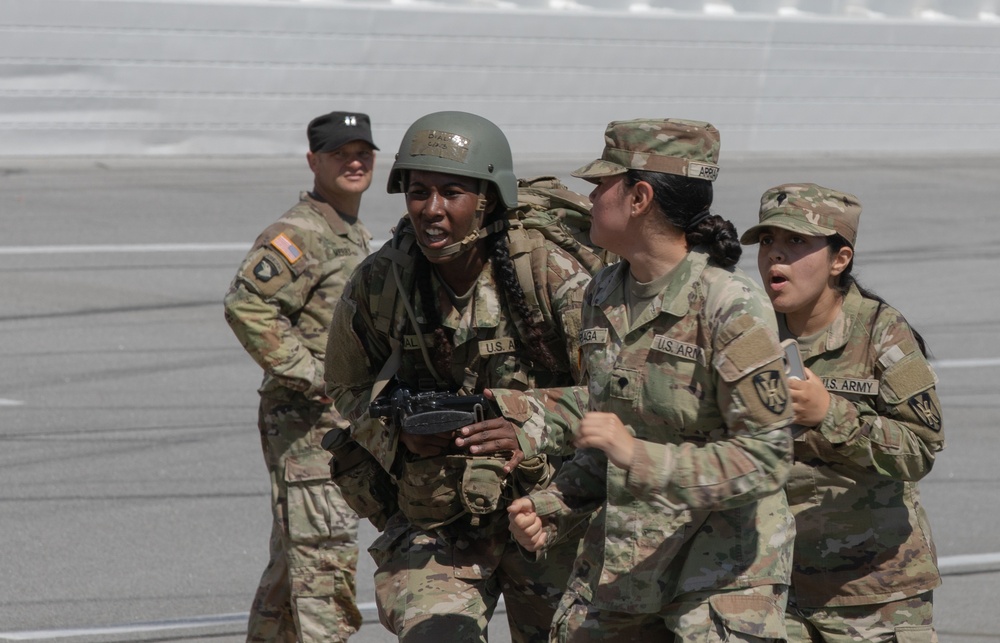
x=683, y=443
x=864, y=564
x=279, y=306
x=462, y=300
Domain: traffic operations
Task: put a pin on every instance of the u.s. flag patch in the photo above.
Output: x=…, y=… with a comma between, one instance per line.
x=285, y=246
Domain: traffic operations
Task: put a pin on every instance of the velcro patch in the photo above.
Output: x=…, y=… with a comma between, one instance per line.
x=496, y=346
x=850, y=385
x=594, y=336
x=288, y=249
x=430, y=142
x=691, y=352
x=928, y=413
x=771, y=391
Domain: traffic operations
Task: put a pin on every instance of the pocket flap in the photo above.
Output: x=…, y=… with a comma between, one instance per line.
x=308, y=468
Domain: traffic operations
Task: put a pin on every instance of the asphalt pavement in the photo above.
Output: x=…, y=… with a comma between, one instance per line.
x=133, y=495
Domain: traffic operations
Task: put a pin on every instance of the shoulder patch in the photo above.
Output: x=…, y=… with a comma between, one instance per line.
x=928, y=413
x=265, y=270
x=771, y=391
x=288, y=249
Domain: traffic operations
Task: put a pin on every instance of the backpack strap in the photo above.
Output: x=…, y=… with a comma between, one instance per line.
x=399, y=253
x=522, y=246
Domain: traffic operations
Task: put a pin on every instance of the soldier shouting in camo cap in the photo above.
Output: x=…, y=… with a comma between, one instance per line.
x=864, y=559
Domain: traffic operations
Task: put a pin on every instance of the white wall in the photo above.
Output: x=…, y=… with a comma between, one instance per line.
x=160, y=77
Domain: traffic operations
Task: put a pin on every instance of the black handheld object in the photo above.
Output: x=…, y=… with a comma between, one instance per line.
x=429, y=412
x=793, y=360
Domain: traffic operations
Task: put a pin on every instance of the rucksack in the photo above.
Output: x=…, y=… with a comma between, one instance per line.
x=563, y=217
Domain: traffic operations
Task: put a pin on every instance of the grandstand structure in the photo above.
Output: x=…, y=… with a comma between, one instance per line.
x=242, y=77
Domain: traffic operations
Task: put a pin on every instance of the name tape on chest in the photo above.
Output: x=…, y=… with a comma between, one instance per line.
x=411, y=342
x=496, y=346
x=851, y=385
x=677, y=348
x=594, y=336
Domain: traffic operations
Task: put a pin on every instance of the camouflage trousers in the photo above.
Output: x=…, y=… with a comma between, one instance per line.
x=307, y=591
x=444, y=585
x=906, y=621
x=751, y=615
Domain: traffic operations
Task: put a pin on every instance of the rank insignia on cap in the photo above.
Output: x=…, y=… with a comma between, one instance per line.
x=285, y=246
x=265, y=270
x=351, y=120
x=771, y=391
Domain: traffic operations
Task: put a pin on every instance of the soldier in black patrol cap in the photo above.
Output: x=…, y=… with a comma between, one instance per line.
x=279, y=306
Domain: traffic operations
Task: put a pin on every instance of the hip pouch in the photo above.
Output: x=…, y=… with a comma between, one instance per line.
x=434, y=492
x=366, y=487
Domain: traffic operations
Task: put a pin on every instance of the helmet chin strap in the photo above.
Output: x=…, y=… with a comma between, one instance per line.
x=460, y=247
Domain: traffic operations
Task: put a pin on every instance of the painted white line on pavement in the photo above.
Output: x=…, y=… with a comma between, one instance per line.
x=135, y=247
x=966, y=363
x=948, y=565
x=137, y=628
x=5, y=402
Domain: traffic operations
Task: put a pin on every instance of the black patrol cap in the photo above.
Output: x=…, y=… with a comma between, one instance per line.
x=330, y=131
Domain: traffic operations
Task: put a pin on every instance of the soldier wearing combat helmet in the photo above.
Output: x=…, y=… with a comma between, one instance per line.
x=864, y=566
x=683, y=442
x=462, y=300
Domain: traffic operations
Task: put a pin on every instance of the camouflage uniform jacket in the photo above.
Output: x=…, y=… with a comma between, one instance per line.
x=697, y=378
x=487, y=348
x=863, y=536
x=281, y=301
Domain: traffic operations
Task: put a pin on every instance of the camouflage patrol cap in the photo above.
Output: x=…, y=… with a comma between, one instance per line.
x=807, y=208
x=669, y=146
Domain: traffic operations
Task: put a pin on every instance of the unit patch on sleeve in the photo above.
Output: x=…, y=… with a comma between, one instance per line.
x=677, y=348
x=771, y=391
x=288, y=249
x=265, y=270
x=923, y=406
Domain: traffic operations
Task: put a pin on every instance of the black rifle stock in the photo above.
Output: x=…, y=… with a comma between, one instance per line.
x=429, y=412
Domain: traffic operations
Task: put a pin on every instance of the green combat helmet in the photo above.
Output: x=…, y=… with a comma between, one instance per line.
x=457, y=143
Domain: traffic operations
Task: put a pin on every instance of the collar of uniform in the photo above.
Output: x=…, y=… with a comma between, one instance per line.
x=483, y=310
x=839, y=331
x=674, y=299
x=334, y=219
x=676, y=296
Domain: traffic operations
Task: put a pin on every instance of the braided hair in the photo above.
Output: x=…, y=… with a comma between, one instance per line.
x=685, y=203
x=510, y=289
